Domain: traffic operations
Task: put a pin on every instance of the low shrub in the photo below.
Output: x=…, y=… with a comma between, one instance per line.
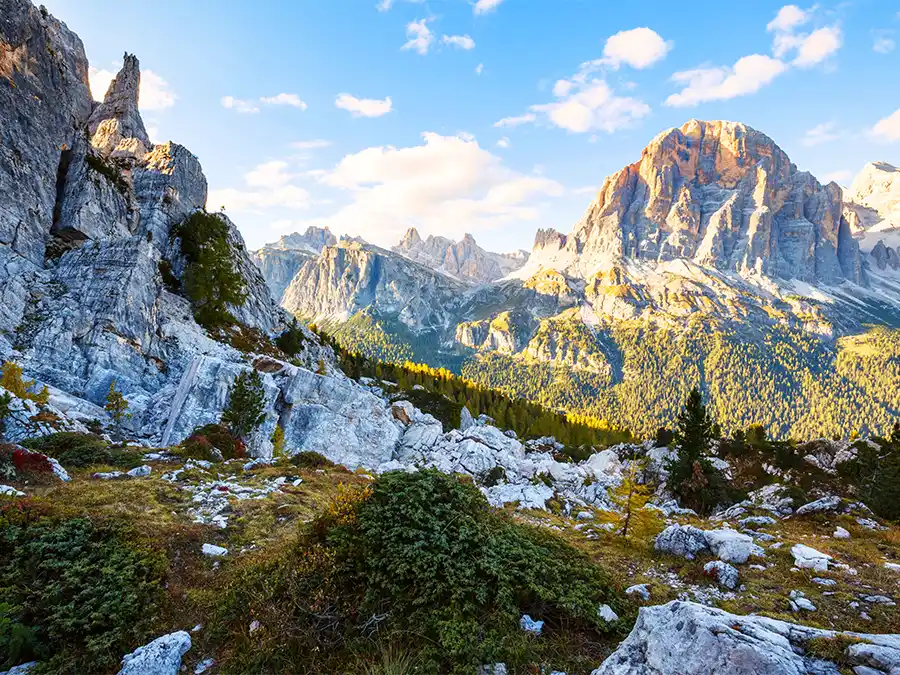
x=292, y=340
x=311, y=460
x=73, y=594
x=212, y=442
x=72, y=449
x=422, y=561
x=20, y=464
x=441, y=407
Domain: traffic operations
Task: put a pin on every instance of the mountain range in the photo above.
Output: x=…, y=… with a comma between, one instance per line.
x=711, y=260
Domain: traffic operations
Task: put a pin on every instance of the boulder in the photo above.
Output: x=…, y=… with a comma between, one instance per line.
x=830, y=503
x=160, y=657
x=731, y=546
x=685, y=541
x=640, y=590
x=685, y=638
x=806, y=557
x=722, y=572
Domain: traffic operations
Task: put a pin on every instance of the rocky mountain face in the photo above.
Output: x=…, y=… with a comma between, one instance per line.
x=872, y=207
x=713, y=241
x=280, y=261
x=463, y=259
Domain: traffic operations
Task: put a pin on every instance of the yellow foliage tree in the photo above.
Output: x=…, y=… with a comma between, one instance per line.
x=11, y=380
x=278, y=441
x=631, y=518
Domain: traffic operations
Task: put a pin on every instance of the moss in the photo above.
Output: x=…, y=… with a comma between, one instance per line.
x=834, y=649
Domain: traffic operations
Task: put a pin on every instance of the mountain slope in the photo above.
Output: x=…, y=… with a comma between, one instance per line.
x=712, y=260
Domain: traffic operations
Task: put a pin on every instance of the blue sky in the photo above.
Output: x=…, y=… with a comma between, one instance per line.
x=493, y=117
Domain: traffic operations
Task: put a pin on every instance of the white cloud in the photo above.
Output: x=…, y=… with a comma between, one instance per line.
x=883, y=45
x=821, y=133
x=447, y=185
x=268, y=185
x=527, y=118
x=154, y=93
x=461, y=41
x=818, y=46
x=503, y=143
x=240, y=105
x=788, y=18
x=310, y=145
x=285, y=99
x=811, y=48
x=479, y=69
x=585, y=190
x=419, y=36
x=842, y=177
x=385, y=5
x=888, y=129
x=364, y=107
x=592, y=107
x=639, y=48
x=485, y=6
x=747, y=76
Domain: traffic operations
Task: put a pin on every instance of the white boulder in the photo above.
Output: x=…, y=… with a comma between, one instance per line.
x=685, y=541
x=727, y=575
x=806, y=557
x=160, y=657
x=731, y=546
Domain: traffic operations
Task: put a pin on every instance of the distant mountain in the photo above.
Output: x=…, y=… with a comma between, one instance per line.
x=872, y=207
x=711, y=260
x=281, y=260
x=462, y=259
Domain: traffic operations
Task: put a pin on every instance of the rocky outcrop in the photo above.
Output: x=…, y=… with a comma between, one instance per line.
x=463, y=259
x=115, y=126
x=160, y=657
x=872, y=207
x=44, y=103
x=684, y=638
x=724, y=196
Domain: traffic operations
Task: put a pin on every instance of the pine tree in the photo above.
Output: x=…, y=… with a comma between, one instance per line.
x=631, y=518
x=692, y=477
x=116, y=406
x=246, y=404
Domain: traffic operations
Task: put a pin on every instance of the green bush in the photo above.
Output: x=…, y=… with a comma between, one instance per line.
x=204, y=440
x=311, y=460
x=424, y=561
x=292, y=340
x=212, y=281
x=73, y=594
x=76, y=450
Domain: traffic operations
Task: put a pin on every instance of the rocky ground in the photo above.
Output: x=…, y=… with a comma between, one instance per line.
x=827, y=564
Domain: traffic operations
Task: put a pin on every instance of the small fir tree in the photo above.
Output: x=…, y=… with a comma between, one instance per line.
x=692, y=477
x=631, y=518
x=246, y=404
x=116, y=406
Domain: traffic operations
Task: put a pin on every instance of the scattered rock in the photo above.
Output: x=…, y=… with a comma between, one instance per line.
x=725, y=574
x=731, y=546
x=530, y=625
x=685, y=541
x=840, y=533
x=606, y=613
x=757, y=521
x=806, y=557
x=160, y=657
x=21, y=669
x=869, y=524
x=254, y=626
x=204, y=665
x=585, y=515
x=824, y=582
x=830, y=503
x=9, y=491
x=641, y=590
x=108, y=475
x=214, y=551
x=799, y=601
x=140, y=471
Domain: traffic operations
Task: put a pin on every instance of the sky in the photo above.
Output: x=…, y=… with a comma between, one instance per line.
x=493, y=117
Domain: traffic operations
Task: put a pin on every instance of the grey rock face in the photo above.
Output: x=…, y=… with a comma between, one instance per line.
x=724, y=196
x=117, y=118
x=44, y=101
x=279, y=267
x=350, y=277
x=684, y=638
x=464, y=259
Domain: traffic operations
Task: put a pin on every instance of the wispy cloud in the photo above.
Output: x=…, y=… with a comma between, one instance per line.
x=364, y=107
x=485, y=6
x=821, y=133
x=419, y=37
x=461, y=41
